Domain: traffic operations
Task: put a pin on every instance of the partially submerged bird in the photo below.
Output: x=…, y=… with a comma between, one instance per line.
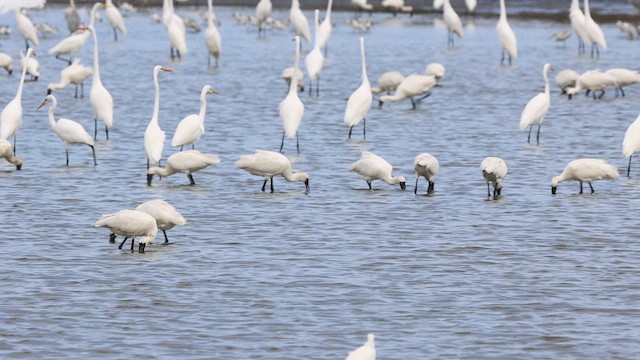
x=585, y=170
x=412, y=86
x=427, y=166
x=373, y=167
x=269, y=164
x=187, y=162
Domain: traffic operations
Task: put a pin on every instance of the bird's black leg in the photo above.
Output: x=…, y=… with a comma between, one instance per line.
x=166, y=239
x=509, y=59
x=488, y=190
x=181, y=147
x=601, y=94
x=76, y=93
x=369, y=183
x=431, y=188
x=106, y=131
x=95, y=128
x=538, y=134
x=133, y=240
x=580, y=187
x=502, y=59
x=93, y=151
x=592, y=191
x=208, y=60
x=147, y=163
x=413, y=104
x=82, y=90
x=122, y=243
x=191, y=182
x=415, y=190
x=621, y=91
x=272, y=185
x=264, y=185
x=172, y=55
x=629, y=167
x=193, y=146
x=297, y=143
x=364, y=128
x=350, y=129
x=282, y=142
x=318, y=86
x=67, y=152
x=426, y=95
x=529, y=137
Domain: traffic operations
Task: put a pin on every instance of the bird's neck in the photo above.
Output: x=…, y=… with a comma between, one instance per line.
x=503, y=11
x=165, y=171
x=364, y=63
x=96, y=59
x=328, y=17
x=22, y=76
x=156, y=100
x=587, y=11
x=52, y=118
x=203, y=105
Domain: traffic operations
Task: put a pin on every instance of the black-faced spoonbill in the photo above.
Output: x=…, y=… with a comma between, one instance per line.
x=167, y=217
x=427, y=166
x=585, y=170
x=494, y=170
x=187, y=162
x=269, y=164
x=130, y=223
x=373, y=167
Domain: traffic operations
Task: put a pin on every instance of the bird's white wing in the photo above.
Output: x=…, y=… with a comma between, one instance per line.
x=10, y=5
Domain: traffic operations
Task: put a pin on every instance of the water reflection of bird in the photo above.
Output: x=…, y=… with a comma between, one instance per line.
x=585, y=170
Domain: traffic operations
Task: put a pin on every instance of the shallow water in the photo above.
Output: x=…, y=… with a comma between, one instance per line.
x=292, y=275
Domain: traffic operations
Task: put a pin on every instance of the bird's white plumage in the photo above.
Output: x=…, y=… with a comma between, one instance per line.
x=6, y=62
x=213, y=39
x=26, y=28
x=412, y=85
x=10, y=5
x=586, y=170
x=593, y=30
x=506, y=36
x=175, y=27
x=631, y=142
x=263, y=10
x=32, y=65
x=364, y=352
x=11, y=116
x=372, y=167
x=388, y=81
x=494, y=170
x=567, y=78
x=536, y=109
x=6, y=152
x=291, y=109
x=426, y=165
x=593, y=80
x=315, y=60
x=362, y=4
x=576, y=16
x=187, y=162
x=268, y=164
x=114, y=17
x=359, y=102
x=299, y=22
x=325, y=27
x=451, y=19
x=471, y=4
x=153, y=135
x=166, y=216
x=130, y=223
x=436, y=69
x=74, y=42
x=101, y=100
x=191, y=127
x=624, y=77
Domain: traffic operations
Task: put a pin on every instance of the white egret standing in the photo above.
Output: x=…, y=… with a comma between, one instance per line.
x=594, y=32
x=130, y=223
x=154, y=136
x=324, y=30
x=167, y=217
x=75, y=73
x=263, y=10
x=191, y=127
x=6, y=152
x=453, y=23
x=585, y=170
x=187, y=162
x=364, y=352
x=506, y=36
x=373, y=167
x=291, y=109
x=11, y=116
x=176, y=31
x=26, y=28
x=494, y=170
x=631, y=142
x=537, y=107
x=74, y=42
x=101, y=100
x=359, y=102
x=315, y=60
x=115, y=19
x=212, y=36
x=427, y=166
x=269, y=164
x=69, y=131
x=299, y=22
x=578, y=24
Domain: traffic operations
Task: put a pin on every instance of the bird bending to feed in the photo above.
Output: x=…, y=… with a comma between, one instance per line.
x=166, y=216
x=191, y=127
x=537, y=107
x=289, y=73
x=585, y=170
x=373, y=167
x=413, y=85
x=130, y=223
x=154, y=136
x=593, y=81
x=6, y=152
x=69, y=131
x=631, y=142
x=75, y=73
x=435, y=69
x=5, y=62
x=291, y=109
x=364, y=352
x=32, y=65
x=506, y=36
x=315, y=60
x=187, y=162
x=426, y=165
x=387, y=82
x=567, y=79
x=359, y=102
x=269, y=164
x=11, y=116
x=115, y=19
x=494, y=170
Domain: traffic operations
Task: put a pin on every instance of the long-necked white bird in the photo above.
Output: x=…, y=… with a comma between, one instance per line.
x=269, y=164
x=115, y=19
x=72, y=17
x=176, y=31
x=299, y=22
x=592, y=81
x=585, y=170
x=412, y=86
x=130, y=224
x=435, y=69
x=624, y=77
x=387, y=82
x=315, y=60
x=359, y=102
x=101, y=100
x=167, y=217
x=187, y=162
x=6, y=62
x=452, y=21
x=291, y=109
x=567, y=79
x=69, y=131
x=537, y=107
x=494, y=170
x=427, y=166
x=364, y=352
x=6, y=152
x=263, y=10
x=26, y=29
x=32, y=65
x=74, y=42
x=578, y=25
x=594, y=32
x=76, y=74
x=213, y=39
x=11, y=116
x=506, y=36
x=191, y=127
x=631, y=142
x=325, y=27
x=373, y=167
x=154, y=136
x=471, y=5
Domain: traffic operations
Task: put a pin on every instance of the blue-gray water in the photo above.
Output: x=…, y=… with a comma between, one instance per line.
x=286, y=275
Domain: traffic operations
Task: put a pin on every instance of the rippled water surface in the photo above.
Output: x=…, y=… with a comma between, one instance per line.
x=291, y=275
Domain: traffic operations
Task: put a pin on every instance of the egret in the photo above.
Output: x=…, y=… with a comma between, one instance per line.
x=130, y=223
x=191, y=127
x=578, y=24
x=396, y=5
x=360, y=100
x=74, y=42
x=291, y=109
x=5, y=62
x=452, y=21
x=75, y=73
x=471, y=5
x=427, y=166
x=585, y=170
x=101, y=100
x=26, y=28
x=364, y=352
x=413, y=85
x=166, y=216
x=387, y=82
x=6, y=152
x=213, y=39
x=315, y=60
x=324, y=29
x=175, y=30
x=631, y=142
x=537, y=107
x=594, y=32
x=115, y=19
x=153, y=135
x=72, y=17
x=263, y=10
x=69, y=131
x=494, y=170
x=373, y=167
x=269, y=164
x=299, y=22
x=11, y=116
x=187, y=162
x=506, y=35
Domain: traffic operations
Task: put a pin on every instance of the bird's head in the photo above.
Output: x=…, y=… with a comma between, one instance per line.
x=554, y=185
x=46, y=100
x=18, y=163
x=306, y=184
x=149, y=179
x=403, y=182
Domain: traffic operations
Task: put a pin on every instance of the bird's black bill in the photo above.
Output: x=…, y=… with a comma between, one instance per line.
x=149, y=178
x=403, y=186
